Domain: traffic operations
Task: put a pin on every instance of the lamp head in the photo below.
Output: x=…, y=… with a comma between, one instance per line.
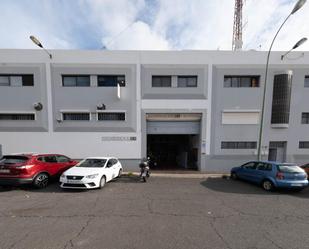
x=36, y=41
x=300, y=42
x=298, y=5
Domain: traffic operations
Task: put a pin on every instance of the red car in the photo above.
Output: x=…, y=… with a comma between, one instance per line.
x=36, y=169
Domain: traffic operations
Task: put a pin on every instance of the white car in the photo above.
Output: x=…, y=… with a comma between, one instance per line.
x=92, y=172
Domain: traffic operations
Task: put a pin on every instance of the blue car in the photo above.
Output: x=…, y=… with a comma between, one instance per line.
x=271, y=175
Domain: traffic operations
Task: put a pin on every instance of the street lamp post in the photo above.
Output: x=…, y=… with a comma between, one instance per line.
x=297, y=6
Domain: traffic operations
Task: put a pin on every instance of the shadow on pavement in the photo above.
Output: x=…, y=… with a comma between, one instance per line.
x=243, y=187
x=54, y=186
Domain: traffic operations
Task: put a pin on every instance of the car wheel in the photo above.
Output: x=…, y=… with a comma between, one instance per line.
x=102, y=182
x=234, y=176
x=41, y=180
x=120, y=173
x=267, y=185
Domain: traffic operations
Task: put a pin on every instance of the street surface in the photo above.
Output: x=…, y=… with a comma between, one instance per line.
x=167, y=213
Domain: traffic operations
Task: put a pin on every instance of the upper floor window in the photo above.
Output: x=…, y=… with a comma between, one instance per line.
x=241, y=81
x=16, y=80
x=187, y=81
x=307, y=81
x=238, y=145
x=161, y=81
x=305, y=118
x=75, y=80
x=303, y=145
x=75, y=116
x=111, y=116
x=16, y=116
x=111, y=80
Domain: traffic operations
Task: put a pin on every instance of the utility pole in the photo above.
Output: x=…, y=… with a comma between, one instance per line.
x=237, y=27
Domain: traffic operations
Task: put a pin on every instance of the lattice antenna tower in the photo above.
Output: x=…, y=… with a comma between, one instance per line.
x=237, y=27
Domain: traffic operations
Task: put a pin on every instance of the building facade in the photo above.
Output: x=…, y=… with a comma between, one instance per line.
x=186, y=109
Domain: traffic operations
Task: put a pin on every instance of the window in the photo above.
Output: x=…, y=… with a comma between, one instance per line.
x=75, y=80
x=307, y=81
x=62, y=159
x=16, y=116
x=305, y=118
x=264, y=166
x=111, y=116
x=111, y=80
x=76, y=116
x=161, y=81
x=251, y=165
x=238, y=145
x=240, y=117
x=50, y=159
x=241, y=81
x=187, y=81
x=16, y=80
x=304, y=144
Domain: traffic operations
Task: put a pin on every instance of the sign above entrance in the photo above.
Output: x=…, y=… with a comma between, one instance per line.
x=173, y=116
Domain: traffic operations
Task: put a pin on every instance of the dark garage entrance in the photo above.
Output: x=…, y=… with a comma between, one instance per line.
x=173, y=151
x=173, y=140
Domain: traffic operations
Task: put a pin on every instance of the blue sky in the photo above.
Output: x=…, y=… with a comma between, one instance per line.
x=148, y=24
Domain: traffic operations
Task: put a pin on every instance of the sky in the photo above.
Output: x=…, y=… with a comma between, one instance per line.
x=149, y=24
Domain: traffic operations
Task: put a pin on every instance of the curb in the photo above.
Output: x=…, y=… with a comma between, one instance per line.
x=177, y=175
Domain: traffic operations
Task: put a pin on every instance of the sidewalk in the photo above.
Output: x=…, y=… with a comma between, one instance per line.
x=175, y=174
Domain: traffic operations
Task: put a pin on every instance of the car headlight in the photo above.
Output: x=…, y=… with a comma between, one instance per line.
x=92, y=176
x=63, y=176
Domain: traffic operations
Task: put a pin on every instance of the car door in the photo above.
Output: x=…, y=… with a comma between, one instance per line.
x=109, y=170
x=262, y=171
x=50, y=164
x=116, y=167
x=64, y=163
x=248, y=171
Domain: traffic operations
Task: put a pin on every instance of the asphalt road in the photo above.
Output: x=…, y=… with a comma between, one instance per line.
x=162, y=213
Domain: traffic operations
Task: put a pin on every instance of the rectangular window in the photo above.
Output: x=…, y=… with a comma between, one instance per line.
x=75, y=116
x=16, y=116
x=187, y=81
x=305, y=118
x=111, y=80
x=241, y=81
x=111, y=116
x=238, y=145
x=304, y=144
x=16, y=80
x=307, y=81
x=161, y=81
x=75, y=80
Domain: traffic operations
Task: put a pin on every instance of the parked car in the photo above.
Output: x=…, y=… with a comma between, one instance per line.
x=271, y=175
x=36, y=169
x=92, y=172
x=305, y=167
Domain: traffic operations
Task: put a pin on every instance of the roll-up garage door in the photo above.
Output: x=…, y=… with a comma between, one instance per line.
x=173, y=127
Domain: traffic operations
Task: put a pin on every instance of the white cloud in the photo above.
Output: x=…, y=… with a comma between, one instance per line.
x=125, y=24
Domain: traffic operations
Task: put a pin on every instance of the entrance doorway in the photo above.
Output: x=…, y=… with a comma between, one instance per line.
x=277, y=151
x=172, y=152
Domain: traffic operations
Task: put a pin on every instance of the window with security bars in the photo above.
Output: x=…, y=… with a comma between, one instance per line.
x=75, y=116
x=305, y=118
x=16, y=80
x=76, y=80
x=241, y=81
x=304, y=144
x=187, y=81
x=111, y=80
x=111, y=116
x=16, y=116
x=307, y=81
x=161, y=81
x=238, y=145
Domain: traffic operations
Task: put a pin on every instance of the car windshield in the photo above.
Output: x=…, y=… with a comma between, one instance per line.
x=290, y=168
x=92, y=163
x=13, y=159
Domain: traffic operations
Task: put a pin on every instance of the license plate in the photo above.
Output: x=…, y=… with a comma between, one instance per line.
x=296, y=185
x=4, y=171
x=74, y=181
